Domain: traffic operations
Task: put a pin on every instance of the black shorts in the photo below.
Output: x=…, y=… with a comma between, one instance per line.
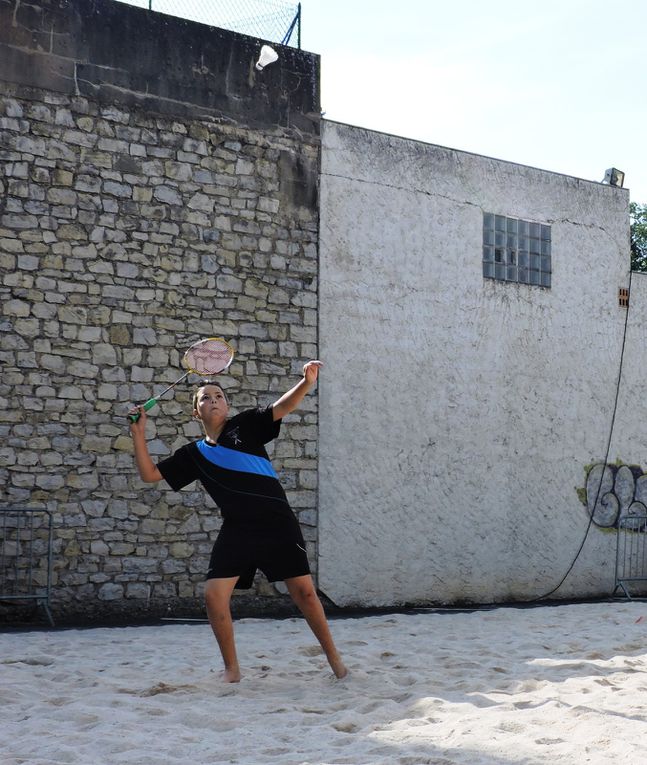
x=238, y=553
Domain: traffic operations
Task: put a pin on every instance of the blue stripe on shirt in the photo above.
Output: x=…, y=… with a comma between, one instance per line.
x=231, y=459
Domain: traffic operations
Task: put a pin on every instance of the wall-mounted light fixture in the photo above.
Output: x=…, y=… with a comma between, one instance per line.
x=614, y=177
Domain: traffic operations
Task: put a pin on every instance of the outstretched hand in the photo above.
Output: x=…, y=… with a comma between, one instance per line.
x=311, y=371
x=290, y=401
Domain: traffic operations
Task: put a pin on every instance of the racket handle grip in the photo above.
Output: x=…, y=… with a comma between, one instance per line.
x=148, y=405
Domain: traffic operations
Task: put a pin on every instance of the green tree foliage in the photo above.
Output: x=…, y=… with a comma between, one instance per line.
x=638, y=219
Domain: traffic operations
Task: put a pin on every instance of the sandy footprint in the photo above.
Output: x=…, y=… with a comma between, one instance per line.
x=59, y=701
x=275, y=751
x=481, y=702
x=33, y=661
x=549, y=741
x=405, y=680
x=371, y=706
x=528, y=686
x=345, y=726
x=510, y=727
x=156, y=690
x=311, y=650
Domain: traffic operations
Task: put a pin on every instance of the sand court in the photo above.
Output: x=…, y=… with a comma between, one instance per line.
x=550, y=684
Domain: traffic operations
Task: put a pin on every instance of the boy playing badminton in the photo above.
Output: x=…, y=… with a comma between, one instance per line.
x=259, y=529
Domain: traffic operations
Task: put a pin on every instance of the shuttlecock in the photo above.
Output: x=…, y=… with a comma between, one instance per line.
x=268, y=56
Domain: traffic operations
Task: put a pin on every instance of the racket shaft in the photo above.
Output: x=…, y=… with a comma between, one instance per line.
x=152, y=401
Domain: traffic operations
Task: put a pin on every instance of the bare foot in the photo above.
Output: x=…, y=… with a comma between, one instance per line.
x=231, y=675
x=337, y=666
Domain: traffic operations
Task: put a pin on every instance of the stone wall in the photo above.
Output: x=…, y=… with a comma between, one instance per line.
x=146, y=202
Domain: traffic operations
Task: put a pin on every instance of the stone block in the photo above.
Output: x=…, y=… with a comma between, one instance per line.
x=98, y=547
x=164, y=590
x=16, y=308
x=111, y=591
x=180, y=550
x=138, y=591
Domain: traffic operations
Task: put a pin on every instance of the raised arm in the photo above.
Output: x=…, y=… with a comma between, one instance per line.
x=290, y=401
x=148, y=471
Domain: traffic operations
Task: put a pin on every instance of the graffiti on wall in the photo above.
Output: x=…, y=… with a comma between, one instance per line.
x=615, y=493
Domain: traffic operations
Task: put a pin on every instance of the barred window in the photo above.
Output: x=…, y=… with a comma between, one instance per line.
x=516, y=250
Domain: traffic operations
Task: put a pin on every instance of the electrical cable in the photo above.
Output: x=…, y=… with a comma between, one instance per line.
x=606, y=455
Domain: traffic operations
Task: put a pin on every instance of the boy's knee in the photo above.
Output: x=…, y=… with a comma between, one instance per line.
x=217, y=600
x=304, y=594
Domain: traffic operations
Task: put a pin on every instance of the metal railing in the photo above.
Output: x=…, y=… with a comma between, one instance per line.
x=26, y=556
x=269, y=20
x=631, y=553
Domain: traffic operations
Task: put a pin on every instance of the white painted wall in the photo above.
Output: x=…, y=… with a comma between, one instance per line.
x=457, y=414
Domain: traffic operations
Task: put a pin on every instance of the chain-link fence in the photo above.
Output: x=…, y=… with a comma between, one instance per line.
x=270, y=20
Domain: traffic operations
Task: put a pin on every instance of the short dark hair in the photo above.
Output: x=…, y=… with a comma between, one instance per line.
x=203, y=384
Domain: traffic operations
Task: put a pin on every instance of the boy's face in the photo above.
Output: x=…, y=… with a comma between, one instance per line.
x=211, y=403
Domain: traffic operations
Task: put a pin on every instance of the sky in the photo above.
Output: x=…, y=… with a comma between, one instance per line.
x=554, y=84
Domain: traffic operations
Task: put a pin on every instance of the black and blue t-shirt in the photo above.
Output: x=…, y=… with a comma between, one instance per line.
x=237, y=472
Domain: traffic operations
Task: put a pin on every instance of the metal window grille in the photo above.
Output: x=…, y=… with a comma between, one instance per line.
x=631, y=553
x=26, y=556
x=270, y=20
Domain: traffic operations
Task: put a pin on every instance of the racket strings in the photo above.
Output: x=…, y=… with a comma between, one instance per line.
x=208, y=357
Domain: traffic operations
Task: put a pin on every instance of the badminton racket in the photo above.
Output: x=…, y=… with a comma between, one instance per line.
x=206, y=357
